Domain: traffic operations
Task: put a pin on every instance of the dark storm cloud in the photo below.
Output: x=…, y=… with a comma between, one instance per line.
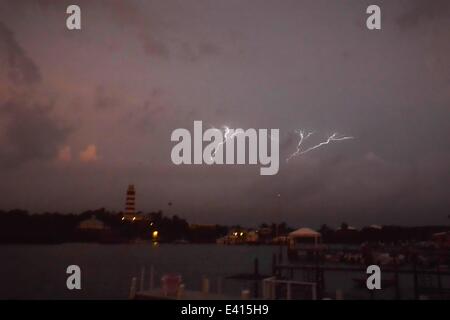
x=288, y=64
x=155, y=33
x=41, y=4
x=20, y=69
x=188, y=51
x=104, y=101
x=155, y=47
x=194, y=53
x=30, y=134
x=421, y=11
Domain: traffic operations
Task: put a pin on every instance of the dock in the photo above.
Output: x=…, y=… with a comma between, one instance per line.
x=181, y=293
x=157, y=294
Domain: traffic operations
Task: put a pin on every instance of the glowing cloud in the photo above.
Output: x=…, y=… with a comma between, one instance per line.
x=89, y=154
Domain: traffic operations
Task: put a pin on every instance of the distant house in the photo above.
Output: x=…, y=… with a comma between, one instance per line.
x=304, y=236
x=304, y=243
x=252, y=237
x=235, y=236
x=92, y=224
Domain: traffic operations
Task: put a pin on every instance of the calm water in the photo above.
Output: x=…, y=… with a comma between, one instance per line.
x=38, y=272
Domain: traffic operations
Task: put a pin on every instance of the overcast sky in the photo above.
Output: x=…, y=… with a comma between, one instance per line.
x=85, y=113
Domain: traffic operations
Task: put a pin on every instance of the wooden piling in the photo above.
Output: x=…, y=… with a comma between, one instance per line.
x=152, y=276
x=205, y=285
x=133, y=288
x=439, y=281
x=256, y=277
x=274, y=264
x=245, y=294
x=219, y=285
x=396, y=279
x=141, y=282
x=415, y=278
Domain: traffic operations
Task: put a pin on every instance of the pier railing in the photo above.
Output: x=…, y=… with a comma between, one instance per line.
x=275, y=289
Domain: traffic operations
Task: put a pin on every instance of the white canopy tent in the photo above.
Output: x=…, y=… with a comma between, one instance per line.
x=305, y=233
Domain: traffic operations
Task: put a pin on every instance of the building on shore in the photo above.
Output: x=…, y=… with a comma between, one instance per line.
x=304, y=243
x=92, y=224
x=234, y=237
x=95, y=230
x=240, y=236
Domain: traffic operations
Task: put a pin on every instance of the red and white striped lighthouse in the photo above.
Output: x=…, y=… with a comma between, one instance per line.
x=130, y=205
x=130, y=208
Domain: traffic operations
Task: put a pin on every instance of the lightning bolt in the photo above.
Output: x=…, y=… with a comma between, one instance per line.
x=227, y=136
x=305, y=135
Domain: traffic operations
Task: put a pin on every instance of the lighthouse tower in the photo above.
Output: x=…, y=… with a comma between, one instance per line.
x=130, y=205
